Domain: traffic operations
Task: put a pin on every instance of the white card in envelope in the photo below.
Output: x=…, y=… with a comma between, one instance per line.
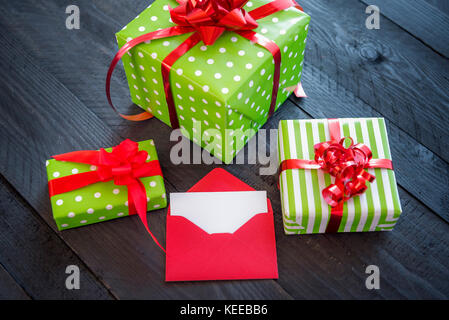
x=218, y=212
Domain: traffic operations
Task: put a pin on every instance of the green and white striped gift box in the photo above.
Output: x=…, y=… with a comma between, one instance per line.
x=304, y=210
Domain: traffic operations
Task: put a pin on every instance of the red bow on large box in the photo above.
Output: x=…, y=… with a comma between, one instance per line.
x=125, y=165
x=347, y=165
x=207, y=20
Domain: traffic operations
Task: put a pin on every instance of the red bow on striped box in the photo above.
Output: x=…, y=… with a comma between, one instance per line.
x=347, y=165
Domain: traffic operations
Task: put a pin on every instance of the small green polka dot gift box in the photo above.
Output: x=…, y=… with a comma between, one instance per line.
x=221, y=90
x=87, y=187
x=336, y=175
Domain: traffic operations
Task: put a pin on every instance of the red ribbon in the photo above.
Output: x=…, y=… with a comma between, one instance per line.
x=347, y=165
x=124, y=165
x=207, y=20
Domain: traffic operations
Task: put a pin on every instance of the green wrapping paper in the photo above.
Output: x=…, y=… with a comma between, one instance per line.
x=101, y=201
x=304, y=210
x=222, y=92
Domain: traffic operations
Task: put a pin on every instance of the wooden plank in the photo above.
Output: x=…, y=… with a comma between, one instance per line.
x=41, y=118
x=9, y=289
x=36, y=257
x=389, y=69
x=441, y=5
x=423, y=20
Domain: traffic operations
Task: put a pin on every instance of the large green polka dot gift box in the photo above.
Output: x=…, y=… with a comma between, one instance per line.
x=87, y=187
x=220, y=80
x=336, y=175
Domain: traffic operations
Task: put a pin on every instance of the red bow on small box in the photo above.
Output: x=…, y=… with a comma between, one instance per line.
x=124, y=165
x=347, y=165
x=206, y=20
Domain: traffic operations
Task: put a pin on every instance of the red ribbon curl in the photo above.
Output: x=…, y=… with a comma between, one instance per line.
x=124, y=165
x=207, y=20
x=347, y=165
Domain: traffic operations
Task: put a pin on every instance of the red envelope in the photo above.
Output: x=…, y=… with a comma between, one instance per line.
x=195, y=255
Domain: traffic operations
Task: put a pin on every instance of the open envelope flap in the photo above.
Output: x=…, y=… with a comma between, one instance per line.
x=194, y=255
x=248, y=253
x=218, y=212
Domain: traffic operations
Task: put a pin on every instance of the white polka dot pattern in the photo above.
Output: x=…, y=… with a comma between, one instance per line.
x=100, y=201
x=233, y=73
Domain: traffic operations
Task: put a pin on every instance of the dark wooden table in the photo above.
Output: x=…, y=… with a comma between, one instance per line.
x=53, y=101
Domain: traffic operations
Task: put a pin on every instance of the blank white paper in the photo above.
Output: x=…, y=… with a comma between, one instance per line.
x=218, y=212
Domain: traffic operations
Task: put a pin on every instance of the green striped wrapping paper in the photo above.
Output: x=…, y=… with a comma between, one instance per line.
x=304, y=210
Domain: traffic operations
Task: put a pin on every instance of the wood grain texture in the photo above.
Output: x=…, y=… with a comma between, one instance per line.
x=426, y=22
x=53, y=102
x=441, y=5
x=389, y=69
x=36, y=257
x=9, y=289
